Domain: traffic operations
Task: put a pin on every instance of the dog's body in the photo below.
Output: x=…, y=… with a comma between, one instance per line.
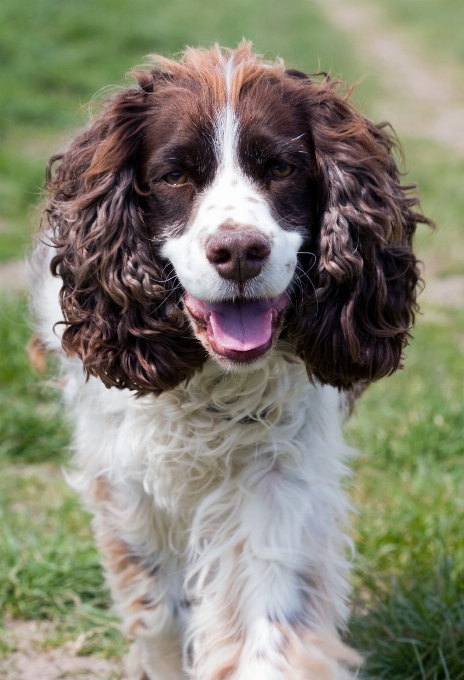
x=221, y=232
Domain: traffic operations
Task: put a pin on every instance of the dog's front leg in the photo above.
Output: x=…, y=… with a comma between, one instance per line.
x=268, y=578
x=144, y=577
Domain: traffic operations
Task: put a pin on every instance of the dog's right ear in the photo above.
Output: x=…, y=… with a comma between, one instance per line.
x=119, y=304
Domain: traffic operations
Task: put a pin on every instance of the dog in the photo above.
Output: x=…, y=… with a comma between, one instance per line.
x=227, y=262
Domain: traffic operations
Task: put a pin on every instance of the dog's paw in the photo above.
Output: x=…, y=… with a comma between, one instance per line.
x=134, y=666
x=316, y=656
x=311, y=656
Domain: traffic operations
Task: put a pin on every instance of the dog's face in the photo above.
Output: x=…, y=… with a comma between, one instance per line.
x=231, y=197
x=225, y=202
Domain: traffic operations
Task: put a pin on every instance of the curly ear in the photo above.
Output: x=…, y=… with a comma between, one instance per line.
x=118, y=302
x=354, y=318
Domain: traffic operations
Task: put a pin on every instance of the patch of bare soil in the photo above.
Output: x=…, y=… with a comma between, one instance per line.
x=422, y=98
x=446, y=292
x=13, y=276
x=30, y=661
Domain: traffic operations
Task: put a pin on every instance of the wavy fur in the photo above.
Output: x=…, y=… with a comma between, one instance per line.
x=214, y=471
x=355, y=323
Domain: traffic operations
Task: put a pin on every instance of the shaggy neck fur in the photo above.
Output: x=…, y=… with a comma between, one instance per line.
x=229, y=464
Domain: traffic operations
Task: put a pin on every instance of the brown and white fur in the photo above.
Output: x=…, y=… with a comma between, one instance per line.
x=231, y=256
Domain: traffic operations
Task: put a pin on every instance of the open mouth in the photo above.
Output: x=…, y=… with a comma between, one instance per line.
x=241, y=330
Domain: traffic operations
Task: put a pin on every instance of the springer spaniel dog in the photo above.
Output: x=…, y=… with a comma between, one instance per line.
x=227, y=261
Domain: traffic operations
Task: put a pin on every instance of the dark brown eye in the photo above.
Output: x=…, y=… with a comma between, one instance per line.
x=176, y=177
x=281, y=170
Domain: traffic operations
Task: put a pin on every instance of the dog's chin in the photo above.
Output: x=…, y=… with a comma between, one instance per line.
x=239, y=334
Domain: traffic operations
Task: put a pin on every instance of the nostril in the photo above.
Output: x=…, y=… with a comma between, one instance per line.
x=258, y=252
x=238, y=255
x=217, y=255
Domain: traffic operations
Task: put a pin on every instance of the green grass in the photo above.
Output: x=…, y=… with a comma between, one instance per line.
x=49, y=567
x=440, y=175
x=409, y=573
x=418, y=627
x=31, y=426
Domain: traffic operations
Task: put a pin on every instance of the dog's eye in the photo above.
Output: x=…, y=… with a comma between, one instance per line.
x=176, y=177
x=280, y=170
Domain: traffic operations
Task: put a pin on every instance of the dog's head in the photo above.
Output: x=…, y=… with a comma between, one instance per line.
x=225, y=202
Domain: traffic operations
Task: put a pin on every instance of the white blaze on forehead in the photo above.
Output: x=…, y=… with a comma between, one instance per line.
x=227, y=128
x=232, y=197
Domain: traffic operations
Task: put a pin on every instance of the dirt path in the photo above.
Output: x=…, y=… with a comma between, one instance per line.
x=421, y=96
x=30, y=661
x=13, y=276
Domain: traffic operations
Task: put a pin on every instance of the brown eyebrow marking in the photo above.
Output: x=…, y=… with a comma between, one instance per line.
x=252, y=200
x=229, y=207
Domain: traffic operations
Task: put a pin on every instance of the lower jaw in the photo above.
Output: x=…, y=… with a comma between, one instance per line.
x=240, y=367
x=244, y=357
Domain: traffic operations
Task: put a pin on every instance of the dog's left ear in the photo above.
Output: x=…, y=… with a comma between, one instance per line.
x=355, y=316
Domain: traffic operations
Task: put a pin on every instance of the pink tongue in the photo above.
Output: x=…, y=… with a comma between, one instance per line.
x=239, y=326
x=240, y=329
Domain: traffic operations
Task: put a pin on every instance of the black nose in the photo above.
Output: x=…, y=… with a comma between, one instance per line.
x=238, y=255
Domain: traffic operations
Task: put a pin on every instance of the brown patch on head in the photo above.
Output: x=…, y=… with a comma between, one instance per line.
x=204, y=68
x=252, y=199
x=210, y=69
x=229, y=207
x=249, y=68
x=220, y=75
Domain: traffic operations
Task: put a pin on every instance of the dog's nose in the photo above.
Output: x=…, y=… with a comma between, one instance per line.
x=238, y=255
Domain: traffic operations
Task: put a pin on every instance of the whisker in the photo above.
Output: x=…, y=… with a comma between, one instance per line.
x=171, y=278
x=304, y=273
x=179, y=285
